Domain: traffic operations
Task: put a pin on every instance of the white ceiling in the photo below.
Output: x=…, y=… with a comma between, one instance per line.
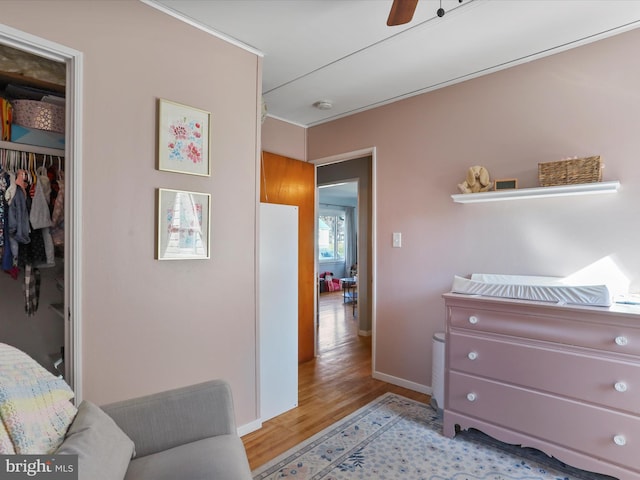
x=343, y=51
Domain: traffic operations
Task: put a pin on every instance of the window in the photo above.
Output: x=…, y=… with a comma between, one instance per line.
x=331, y=237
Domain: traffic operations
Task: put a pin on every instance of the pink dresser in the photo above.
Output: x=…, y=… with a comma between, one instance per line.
x=563, y=379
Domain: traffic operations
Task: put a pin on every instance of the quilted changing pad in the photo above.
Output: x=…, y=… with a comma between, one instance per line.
x=524, y=287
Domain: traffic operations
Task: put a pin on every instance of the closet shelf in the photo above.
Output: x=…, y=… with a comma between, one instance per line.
x=23, y=147
x=19, y=79
x=539, y=192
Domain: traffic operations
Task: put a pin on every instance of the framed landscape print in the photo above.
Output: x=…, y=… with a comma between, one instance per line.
x=183, y=225
x=183, y=139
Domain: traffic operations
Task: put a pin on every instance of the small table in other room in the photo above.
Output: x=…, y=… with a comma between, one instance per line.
x=350, y=291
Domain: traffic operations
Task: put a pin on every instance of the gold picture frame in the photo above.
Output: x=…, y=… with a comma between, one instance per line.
x=184, y=139
x=183, y=230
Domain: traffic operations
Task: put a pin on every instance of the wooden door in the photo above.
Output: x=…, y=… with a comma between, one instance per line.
x=292, y=182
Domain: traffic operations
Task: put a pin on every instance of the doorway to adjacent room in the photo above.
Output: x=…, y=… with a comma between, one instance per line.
x=352, y=167
x=337, y=240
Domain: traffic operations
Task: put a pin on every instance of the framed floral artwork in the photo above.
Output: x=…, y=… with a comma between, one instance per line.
x=183, y=225
x=183, y=139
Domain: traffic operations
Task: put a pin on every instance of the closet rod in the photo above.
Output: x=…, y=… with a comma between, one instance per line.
x=23, y=147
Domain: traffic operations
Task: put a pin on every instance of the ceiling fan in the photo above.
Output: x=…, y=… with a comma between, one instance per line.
x=402, y=11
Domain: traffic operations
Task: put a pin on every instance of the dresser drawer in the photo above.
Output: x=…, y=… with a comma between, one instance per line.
x=611, y=338
x=594, y=379
x=591, y=430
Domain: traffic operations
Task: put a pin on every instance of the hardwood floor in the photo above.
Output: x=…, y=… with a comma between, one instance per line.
x=337, y=382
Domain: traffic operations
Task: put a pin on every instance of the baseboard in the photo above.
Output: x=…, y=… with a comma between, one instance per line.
x=364, y=333
x=401, y=382
x=249, y=427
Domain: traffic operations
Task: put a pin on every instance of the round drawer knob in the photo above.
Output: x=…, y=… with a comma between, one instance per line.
x=472, y=355
x=620, y=386
x=620, y=440
x=473, y=319
x=622, y=340
x=471, y=397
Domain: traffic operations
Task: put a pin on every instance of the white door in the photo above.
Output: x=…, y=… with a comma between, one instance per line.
x=278, y=299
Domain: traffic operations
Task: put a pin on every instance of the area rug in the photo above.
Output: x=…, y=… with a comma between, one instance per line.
x=394, y=437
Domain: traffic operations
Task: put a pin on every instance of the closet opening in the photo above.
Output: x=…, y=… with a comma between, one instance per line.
x=39, y=202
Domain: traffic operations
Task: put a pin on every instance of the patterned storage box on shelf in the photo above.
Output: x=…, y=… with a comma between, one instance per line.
x=570, y=172
x=40, y=115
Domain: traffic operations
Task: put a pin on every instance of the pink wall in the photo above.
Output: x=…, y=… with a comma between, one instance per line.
x=151, y=325
x=284, y=139
x=580, y=102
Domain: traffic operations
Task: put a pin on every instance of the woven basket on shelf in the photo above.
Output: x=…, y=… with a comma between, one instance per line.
x=40, y=115
x=570, y=172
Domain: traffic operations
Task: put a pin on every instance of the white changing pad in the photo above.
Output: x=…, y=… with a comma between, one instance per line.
x=524, y=287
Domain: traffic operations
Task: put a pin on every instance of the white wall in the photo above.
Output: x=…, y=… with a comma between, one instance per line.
x=284, y=139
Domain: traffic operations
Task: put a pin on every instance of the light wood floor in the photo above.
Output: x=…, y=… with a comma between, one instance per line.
x=337, y=382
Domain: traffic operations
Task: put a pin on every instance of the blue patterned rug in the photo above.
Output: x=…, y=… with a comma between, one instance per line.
x=397, y=438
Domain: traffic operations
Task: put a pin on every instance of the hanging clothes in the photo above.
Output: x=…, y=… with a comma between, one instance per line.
x=29, y=198
x=7, y=257
x=40, y=219
x=52, y=175
x=18, y=221
x=31, y=250
x=31, y=289
x=4, y=183
x=33, y=253
x=49, y=249
x=7, y=190
x=19, y=228
x=57, y=217
x=11, y=189
x=39, y=215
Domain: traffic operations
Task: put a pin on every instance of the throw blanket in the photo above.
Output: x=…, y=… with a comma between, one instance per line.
x=35, y=407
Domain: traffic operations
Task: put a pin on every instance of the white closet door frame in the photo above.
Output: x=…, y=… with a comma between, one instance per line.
x=73, y=199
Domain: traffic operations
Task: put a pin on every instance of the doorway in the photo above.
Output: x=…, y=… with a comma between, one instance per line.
x=337, y=239
x=69, y=309
x=357, y=167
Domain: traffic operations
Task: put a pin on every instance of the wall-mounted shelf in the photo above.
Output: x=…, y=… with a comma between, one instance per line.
x=539, y=192
x=23, y=147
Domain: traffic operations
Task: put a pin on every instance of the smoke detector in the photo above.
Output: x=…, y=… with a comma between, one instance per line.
x=323, y=105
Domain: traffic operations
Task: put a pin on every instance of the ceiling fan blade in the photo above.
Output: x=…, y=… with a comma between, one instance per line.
x=401, y=12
